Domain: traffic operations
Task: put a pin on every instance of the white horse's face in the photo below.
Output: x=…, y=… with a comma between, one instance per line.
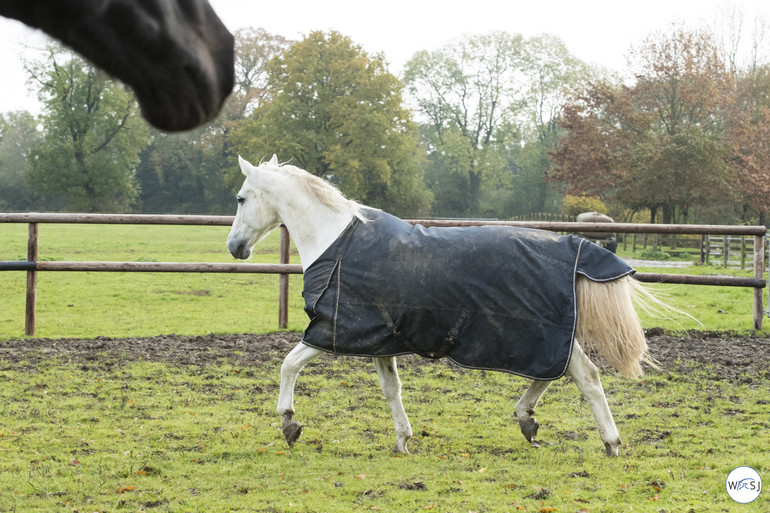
x=256, y=215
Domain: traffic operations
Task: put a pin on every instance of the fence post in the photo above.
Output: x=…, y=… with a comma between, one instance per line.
x=743, y=252
x=726, y=251
x=283, y=282
x=759, y=272
x=29, y=318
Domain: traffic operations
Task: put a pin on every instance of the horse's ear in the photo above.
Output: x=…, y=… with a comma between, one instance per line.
x=274, y=160
x=245, y=166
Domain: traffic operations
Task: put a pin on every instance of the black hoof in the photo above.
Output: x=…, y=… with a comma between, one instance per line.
x=612, y=449
x=529, y=429
x=291, y=431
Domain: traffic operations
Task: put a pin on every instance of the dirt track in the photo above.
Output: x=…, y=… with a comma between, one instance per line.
x=726, y=356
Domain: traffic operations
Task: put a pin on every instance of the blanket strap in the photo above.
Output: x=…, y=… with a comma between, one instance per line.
x=442, y=351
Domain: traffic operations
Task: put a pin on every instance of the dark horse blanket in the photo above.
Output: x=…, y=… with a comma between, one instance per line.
x=491, y=297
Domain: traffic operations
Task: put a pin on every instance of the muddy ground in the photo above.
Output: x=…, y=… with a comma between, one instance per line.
x=725, y=356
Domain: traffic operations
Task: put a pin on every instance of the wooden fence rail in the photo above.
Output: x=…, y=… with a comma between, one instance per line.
x=32, y=265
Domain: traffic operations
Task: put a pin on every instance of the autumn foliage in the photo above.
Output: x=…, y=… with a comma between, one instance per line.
x=686, y=133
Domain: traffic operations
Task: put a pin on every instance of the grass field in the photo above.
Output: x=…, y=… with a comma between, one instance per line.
x=119, y=433
x=142, y=304
x=81, y=304
x=112, y=433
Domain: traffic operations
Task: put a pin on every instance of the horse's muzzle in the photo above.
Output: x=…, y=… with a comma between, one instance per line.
x=239, y=249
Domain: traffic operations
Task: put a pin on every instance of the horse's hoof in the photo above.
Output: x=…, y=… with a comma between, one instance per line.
x=291, y=431
x=612, y=449
x=529, y=428
x=400, y=450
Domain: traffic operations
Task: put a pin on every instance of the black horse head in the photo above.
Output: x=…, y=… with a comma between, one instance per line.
x=176, y=54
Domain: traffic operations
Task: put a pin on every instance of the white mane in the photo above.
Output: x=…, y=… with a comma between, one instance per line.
x=319, y=189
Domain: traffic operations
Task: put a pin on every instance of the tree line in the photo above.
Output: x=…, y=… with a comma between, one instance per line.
x=491, y=125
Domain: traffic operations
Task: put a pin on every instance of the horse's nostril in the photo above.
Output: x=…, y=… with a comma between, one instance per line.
x=235, y=249
x=241, y=251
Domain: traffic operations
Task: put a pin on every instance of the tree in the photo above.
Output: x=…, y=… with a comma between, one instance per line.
x=338, y=113
x=749, y=136
x=193, y=172
x=467, y=91
x=488, y=105
x=182, y=174
x=254, y=49
x=658, y=143
x=93, y=136
x=18, y=135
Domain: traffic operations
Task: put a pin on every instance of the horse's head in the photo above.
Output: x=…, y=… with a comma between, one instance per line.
x=175, y=54
x=257, y=214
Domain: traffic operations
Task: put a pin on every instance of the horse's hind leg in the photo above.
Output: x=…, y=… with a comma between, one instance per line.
x=292, y=364
x=391, y=387
x=586, y=377
x=525, y=408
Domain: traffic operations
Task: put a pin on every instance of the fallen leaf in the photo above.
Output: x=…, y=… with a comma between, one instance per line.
x=141, y=472
x=126, y=489
x=74, y=462
x=361, y=476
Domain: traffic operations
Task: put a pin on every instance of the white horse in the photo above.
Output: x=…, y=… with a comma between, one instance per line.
x=316, y=214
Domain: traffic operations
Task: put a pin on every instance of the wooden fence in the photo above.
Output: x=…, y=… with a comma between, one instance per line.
x=734, y=252
x=32, y=265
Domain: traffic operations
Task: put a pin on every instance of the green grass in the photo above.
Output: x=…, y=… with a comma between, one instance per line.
x=715, y=308
x=144, y=304
x=129, y=435
x=88, y=304
x=152, y=436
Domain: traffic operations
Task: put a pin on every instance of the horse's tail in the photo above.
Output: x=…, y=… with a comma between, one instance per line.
x=608, y=323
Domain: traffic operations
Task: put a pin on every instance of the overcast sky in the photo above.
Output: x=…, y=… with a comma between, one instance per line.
x=596, y=31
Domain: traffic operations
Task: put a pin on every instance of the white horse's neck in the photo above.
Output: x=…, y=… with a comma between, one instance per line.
x=312, y=225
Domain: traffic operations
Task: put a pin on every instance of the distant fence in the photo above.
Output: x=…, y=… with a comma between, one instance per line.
x=32, y=265
x=730, y=251
x=735, y=252
x=544, y=216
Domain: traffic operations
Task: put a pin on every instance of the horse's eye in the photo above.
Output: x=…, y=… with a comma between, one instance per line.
x=240, y=199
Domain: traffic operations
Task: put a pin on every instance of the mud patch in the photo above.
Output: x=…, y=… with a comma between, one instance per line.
x=724, y=356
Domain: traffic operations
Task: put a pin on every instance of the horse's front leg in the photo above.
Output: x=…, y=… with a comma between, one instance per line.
x=292, y=364
x=391, y=387
x=525, y=409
